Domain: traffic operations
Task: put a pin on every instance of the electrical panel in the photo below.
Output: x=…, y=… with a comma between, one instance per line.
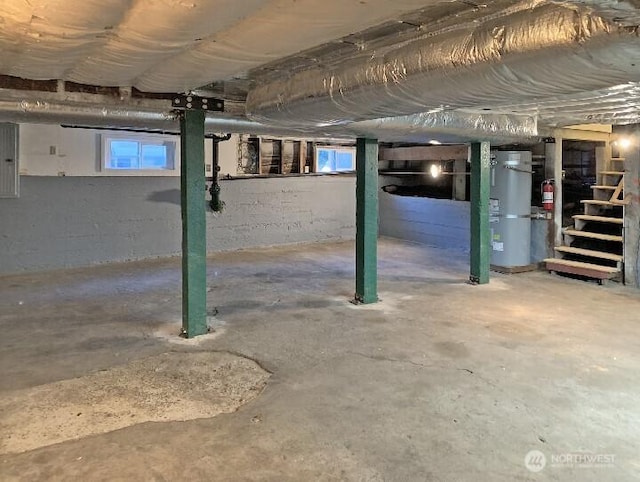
x=9, y=177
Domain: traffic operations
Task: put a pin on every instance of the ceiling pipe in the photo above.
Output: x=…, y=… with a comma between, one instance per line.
x=95, y=115
x=444, y=126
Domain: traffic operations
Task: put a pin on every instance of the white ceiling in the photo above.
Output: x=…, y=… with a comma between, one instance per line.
x=171, y=45
x=181, y=45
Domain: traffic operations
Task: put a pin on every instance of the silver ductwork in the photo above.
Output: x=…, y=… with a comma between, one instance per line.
x=542, y=52
x=446, y=126
x=423, y=127
x=621, y=12
x=616, y=105
x=94, y=115
x=124, y=116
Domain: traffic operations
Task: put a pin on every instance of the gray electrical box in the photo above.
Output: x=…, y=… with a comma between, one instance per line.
x=510, y=209
x=9, y=180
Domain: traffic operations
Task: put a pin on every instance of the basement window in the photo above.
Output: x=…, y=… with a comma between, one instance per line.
x=138, y=153
x=266, y=156
x=335, y=159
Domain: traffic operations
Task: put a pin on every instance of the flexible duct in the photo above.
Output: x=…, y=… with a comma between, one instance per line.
x=448, y=126
x=425, y=126
x=622, y=12
x=616, y=105
x=527, y=56
x=94, y=115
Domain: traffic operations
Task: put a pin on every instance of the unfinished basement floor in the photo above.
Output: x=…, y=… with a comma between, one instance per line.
x=439, y=381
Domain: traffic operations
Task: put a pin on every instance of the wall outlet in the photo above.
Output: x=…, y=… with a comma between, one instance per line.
x=62, y=173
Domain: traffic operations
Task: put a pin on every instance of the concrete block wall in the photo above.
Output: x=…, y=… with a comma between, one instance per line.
x=445, y=224
x=62, y=222
x=272, y=211
x=435, y=222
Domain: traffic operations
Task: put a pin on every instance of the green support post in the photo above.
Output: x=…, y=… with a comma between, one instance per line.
x=194, y=241
x=366, y=221
x=480, y=232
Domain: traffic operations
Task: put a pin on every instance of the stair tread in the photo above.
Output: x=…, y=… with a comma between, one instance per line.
x=601, y=219
x=580, y=264
x=590, y=252
x=589, y=234
x=598, y=202
x=621, y=202
x=613, y=173
x=602, y=186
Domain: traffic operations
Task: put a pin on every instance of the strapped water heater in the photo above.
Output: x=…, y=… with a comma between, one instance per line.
x=510, y=209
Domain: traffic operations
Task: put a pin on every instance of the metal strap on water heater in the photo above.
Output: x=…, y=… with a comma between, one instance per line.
x=513, y=168
x=511, y=216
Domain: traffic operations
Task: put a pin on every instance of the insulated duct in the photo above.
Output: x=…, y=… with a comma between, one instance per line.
x=172, y=45
x=528, y=56
x=616, y=105
x=95, y=115
x=424, y=127
x=446, y=126
x=622, y=12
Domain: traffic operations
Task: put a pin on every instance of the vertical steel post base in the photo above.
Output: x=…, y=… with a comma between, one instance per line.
x=194, y=241
x=480, y=258
x=366, y=221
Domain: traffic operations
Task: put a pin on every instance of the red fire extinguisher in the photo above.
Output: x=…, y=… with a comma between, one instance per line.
x=547, y=194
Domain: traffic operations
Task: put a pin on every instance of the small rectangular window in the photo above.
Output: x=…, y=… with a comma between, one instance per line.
x=138, y=153
x=335, y=159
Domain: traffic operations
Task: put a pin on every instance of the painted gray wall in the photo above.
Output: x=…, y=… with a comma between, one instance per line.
x=435, y=222
x=61, y=222
x=445, y=224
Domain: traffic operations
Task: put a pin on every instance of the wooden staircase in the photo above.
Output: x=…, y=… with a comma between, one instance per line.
x=593, y=248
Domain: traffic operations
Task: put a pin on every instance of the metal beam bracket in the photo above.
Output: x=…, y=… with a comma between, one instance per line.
x=193, y=102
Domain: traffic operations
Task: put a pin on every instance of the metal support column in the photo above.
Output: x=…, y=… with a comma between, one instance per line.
x=194, y=242
x=366, y=221
x=480, y=232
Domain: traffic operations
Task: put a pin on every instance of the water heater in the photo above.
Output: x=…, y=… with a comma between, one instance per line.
x=510, y=208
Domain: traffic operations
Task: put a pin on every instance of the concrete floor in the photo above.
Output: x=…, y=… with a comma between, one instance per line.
x=439, y=381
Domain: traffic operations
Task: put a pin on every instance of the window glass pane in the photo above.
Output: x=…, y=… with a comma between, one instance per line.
x=344, y=161
x=324, y=160
x=154, y=156
x=333, y=160
x=171, y=155
x=124, y=155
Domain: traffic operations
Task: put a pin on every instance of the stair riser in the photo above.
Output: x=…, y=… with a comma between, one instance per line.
x=586, y=253
x=580, y=271
x=572, y=237
x=580, y=224
x=593, y=260
x=595, y=210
